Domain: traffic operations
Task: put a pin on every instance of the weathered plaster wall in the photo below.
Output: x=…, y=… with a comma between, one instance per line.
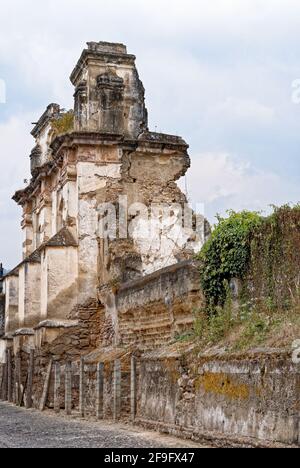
x=93, y=178
x=43, y=141
x=253, y=396
x=11, y=303
x=53, y=212
x=2, y=352
x=161, y=238
x=59, y=292
x=43, y=226
x=32, y=294
x=70, y=202
x=21, y=299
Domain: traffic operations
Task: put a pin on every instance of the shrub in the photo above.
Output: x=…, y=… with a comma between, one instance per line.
x=226, y=255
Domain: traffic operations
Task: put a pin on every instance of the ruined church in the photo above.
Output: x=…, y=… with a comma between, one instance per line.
x=100, y=318
x=95, y=280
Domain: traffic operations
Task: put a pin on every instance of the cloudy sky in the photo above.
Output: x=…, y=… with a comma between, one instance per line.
x=218, y=73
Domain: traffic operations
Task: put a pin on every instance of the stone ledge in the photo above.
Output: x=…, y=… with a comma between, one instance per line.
x=7, y=337
x=176, y=350
x=57, y=324
x=179, y=282
x=162, y=138
x=24, y=332
x=141, y=282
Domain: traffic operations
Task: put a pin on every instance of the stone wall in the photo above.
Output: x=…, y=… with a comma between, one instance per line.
x=240, y=396
x=273, y=279
x=247, y=399
x=155, y=309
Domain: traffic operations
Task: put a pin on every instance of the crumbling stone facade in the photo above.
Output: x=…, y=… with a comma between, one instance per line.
x=102, y=216
x=93, y=157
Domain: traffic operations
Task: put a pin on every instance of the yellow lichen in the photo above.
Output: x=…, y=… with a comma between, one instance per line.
x=64, y=124
x=221, y=384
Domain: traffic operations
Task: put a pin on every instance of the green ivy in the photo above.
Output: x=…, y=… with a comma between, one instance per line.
x=226, y=255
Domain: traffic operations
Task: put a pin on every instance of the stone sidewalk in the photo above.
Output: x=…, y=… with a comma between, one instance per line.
x=20, y=428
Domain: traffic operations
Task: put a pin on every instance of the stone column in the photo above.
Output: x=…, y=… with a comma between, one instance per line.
x=46, y=386
x=133, y=388
x=68, y=388
x=30, y=380
x=18, y=378
x=100, y=392
x=57, y=382
x=117, y=390
x=82, y=389
x=9, y=376
x=1, y=379
x=4, y=382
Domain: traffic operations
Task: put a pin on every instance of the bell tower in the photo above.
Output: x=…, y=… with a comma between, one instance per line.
x=109, y=96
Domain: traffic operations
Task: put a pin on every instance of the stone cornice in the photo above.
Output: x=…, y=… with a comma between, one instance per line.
x=21, y=196
x=69, y=140
x=24, y=332
x=147, y=140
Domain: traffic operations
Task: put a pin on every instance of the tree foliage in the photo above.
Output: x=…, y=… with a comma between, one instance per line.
x=226, y=255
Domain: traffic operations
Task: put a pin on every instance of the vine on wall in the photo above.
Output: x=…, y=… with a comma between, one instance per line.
x=264, y=252
x=227, y=254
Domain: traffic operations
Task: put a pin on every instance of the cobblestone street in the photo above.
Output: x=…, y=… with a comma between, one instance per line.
x=21, y=428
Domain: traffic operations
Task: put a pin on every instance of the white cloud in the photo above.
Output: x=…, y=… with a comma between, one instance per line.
x=222, y=182
x=245, y=110
x=15, y=145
